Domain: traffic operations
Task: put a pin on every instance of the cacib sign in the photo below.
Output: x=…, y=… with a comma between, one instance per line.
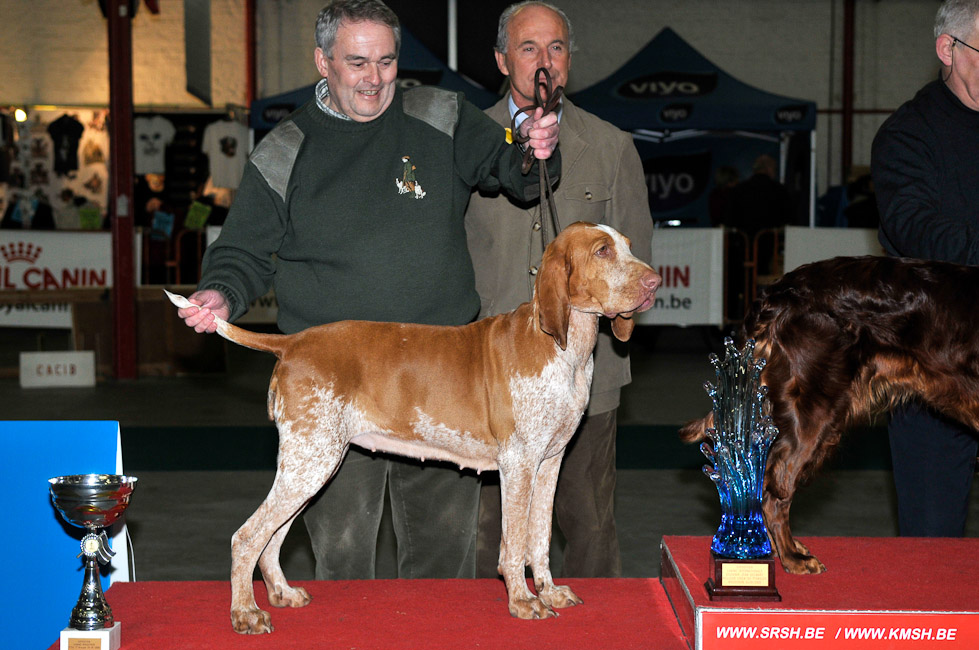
x=666, y=85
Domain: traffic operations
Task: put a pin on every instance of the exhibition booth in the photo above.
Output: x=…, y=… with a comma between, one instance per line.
x=689, y=117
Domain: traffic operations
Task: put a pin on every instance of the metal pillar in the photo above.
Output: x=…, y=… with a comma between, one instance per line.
x=121, y=188
x=846, y=149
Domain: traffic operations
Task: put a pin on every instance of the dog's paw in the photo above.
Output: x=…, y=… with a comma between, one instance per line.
x=251, y=621
x=799, y=564
x=530, y=608
x=557, y=597
x=798, y=560
x=289, y=597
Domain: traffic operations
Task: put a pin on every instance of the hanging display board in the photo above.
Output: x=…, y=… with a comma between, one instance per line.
x=38, y=261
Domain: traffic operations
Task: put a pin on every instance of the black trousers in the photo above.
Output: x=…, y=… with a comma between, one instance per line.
x=433, y=509
x=934, y=461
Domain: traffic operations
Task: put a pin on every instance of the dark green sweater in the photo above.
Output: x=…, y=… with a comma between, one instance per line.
x=320, y=215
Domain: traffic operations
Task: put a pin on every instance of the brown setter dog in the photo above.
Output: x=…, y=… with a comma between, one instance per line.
x=847, y=339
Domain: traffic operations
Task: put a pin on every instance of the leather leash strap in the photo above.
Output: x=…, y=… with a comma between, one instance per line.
x=546, y=97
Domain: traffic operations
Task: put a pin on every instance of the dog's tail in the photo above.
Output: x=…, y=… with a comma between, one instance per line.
x=696, y=430
x=254, y=340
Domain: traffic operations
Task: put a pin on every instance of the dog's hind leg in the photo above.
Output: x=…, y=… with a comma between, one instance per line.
x=281, y=594
x=301, y=474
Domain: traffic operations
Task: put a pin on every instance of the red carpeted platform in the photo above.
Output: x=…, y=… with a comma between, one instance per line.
x=404, y=614
x=877, y=593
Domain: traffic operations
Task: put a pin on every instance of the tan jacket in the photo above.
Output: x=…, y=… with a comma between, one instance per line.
x=601, y=181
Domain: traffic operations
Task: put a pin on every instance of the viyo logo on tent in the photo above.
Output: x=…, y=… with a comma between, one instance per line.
x=674, y=182
x=669, y=84
x=791, y=114
x=676, y=113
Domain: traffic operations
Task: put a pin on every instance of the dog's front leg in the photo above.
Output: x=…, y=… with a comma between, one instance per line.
x=517, y=487
x=539, y=542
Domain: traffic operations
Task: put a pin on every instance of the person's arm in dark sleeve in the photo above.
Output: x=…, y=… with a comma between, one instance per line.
x=241, y=262
x=485, y=159
x=907, y=174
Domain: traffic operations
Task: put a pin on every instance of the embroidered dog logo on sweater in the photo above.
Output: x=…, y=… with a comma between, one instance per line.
x=408, y=184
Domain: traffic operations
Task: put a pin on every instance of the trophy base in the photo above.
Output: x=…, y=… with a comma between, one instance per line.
x=744, y=580
x=105, y=639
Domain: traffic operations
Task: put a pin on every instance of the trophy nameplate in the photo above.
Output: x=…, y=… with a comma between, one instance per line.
x=745, y=580
x=109, y=638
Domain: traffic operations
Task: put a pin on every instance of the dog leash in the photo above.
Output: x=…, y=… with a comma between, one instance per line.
x=548, y=100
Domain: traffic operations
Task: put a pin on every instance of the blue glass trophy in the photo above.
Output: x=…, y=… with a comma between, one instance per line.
x=742, y=563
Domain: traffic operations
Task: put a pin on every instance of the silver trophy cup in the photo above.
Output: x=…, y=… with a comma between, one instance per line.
x=93, y=502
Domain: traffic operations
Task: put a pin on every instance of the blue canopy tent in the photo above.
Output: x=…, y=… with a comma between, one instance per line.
x=688, y=116
x=417, y=66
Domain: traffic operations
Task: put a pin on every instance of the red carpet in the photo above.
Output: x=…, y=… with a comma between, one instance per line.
x=431, y=614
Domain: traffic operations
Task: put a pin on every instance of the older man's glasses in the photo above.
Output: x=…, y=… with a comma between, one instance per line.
x=955, y=40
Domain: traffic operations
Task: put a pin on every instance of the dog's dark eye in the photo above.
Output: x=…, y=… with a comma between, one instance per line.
x=604, y=251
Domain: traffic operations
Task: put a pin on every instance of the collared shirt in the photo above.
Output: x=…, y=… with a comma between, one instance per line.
x=322, y=95
x=523, y=116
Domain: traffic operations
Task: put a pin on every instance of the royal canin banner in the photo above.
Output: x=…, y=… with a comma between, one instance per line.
x=691, y=263
x=51, y=260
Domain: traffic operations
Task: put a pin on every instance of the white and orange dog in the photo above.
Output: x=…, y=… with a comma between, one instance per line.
x=504, y=393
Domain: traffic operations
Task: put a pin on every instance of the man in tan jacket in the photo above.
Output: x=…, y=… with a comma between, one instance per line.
x=602, y=182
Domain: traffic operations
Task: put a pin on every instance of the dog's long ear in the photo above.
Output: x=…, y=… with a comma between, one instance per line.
x=622, y=327
x=553, y=300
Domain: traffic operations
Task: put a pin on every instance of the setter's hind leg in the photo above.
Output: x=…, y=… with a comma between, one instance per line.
x=794, y=456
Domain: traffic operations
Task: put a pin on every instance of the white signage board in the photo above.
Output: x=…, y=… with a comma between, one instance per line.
x=42, y=260
x=691, y=261
x=57, y=368
x=805, y=245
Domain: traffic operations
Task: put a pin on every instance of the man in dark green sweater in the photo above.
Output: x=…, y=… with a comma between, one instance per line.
x=325, y=216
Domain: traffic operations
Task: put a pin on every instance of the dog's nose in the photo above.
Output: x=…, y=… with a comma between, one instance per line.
x=652, y=280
